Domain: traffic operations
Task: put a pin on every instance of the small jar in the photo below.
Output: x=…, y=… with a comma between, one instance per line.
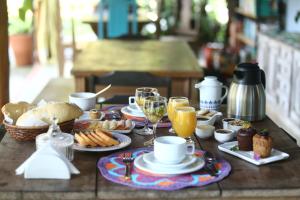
x=94, y=114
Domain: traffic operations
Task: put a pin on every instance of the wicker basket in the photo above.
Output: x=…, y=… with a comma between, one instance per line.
x=29, y=133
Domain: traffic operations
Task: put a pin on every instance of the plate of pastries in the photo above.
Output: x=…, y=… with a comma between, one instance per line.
x=117, y=126
x=97, y=140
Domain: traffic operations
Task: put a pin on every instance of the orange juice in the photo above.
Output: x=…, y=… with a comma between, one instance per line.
x=175, y=102
x=185, y=121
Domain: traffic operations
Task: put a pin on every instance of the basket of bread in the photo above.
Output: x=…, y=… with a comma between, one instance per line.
x=24, y=121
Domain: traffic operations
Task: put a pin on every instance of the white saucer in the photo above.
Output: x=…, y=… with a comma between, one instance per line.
x=143, y=166
x=127, y=111
x=134, y=108
x=154, y=163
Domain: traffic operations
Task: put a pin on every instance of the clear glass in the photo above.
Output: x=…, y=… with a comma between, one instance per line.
x=173, y=103
x=155, y=108
x=140, y=95
x=62, y=142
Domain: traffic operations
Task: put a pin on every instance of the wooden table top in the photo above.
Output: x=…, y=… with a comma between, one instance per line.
x=276, y=180
x=173, y=59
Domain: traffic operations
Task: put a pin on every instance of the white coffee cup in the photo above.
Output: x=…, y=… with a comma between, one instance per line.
x=172, y=149
x=85, y=100
x=211, y=93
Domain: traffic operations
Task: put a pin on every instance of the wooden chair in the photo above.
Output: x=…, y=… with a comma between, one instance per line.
x=117, y=22
x=125, y=82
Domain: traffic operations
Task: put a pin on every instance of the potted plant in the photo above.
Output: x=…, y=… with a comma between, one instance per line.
x=20, y=34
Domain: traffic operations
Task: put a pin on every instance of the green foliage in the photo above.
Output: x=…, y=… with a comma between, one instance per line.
x=18, y=26
x=23, y=23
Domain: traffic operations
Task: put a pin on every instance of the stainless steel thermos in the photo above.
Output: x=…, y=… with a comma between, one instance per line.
x=246, y=97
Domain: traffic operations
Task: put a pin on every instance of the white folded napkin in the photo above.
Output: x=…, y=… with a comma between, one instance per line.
x=47, y=163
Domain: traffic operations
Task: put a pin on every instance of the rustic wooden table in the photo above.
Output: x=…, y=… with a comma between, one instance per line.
x=171, y=59
x=279, y=180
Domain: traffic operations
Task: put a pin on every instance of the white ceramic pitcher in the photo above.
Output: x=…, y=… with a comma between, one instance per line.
x=211, y=93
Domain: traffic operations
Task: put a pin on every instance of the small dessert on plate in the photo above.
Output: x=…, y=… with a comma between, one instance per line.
x=262, y=144
x=245, y=138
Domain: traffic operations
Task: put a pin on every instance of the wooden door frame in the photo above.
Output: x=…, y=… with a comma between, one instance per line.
x=4, y=62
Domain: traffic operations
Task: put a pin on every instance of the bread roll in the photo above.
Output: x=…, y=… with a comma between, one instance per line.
x=12, y=111
x=62, y=111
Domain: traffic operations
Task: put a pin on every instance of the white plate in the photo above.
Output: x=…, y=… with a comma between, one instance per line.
x=123, y=139
x=86, y=116
x=134, y=108
x=126, y=111
x=142, y=165
x=249, y=155
x=153, y=163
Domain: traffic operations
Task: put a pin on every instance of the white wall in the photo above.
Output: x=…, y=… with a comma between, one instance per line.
x=293, y=6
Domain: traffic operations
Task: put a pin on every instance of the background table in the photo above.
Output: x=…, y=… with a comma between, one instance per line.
x=170, y=59
x=279, y=180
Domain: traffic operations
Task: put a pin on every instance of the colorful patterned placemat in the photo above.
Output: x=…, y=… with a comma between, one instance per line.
x=138, y=122
x=113, y=169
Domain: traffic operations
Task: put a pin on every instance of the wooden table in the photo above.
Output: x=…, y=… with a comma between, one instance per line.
x=279, y=180
x=171, y=59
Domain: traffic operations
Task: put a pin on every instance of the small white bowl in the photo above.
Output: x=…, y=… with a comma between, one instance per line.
x=224, y=135
x=233, y=127
x=204, y=121
x=85, y=100
x=204, y=131
x=225, y=122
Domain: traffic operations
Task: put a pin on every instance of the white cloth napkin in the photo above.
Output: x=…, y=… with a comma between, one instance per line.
x=47, y=163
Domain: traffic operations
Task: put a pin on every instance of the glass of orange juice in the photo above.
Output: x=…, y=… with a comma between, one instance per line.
x=185, y=121
x=173, y=103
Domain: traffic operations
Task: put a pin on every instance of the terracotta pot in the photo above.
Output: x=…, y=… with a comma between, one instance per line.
x=22, y=46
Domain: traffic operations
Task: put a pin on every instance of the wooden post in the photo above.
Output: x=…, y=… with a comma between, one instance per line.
x=4, y=64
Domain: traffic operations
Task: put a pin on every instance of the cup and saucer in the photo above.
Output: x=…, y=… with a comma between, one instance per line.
x=172, y=155
x=133, y=110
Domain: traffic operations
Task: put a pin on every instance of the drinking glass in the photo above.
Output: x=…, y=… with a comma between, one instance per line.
x=155, y=107
x=140, y=95
x=184, y=122
x=173, y=103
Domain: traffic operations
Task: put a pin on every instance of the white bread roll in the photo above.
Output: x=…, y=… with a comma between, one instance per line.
x=62, y=111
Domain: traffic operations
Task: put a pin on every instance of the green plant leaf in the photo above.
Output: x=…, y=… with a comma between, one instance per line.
x=27, y=5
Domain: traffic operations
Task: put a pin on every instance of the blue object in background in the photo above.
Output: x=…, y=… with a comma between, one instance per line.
x=118, y=22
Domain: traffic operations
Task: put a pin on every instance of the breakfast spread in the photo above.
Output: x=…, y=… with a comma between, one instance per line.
x=96, y=138
x=262, y=144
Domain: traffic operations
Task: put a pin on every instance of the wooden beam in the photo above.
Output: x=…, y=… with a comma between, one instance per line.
x=4, y=63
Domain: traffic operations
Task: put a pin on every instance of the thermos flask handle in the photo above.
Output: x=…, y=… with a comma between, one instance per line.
x=263, y=78
x=226, y=92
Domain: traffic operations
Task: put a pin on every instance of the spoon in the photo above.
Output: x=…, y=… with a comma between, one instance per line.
x=103, y=90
